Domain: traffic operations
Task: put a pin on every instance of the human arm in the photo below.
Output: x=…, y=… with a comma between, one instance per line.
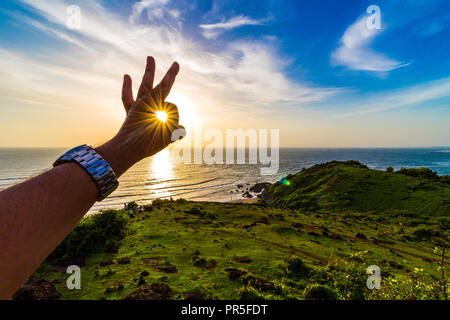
x=36, y=215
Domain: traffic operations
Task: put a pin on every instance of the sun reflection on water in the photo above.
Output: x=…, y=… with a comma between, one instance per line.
x=161, y=175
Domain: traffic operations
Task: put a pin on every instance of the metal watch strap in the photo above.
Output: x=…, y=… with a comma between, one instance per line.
x=99, y=170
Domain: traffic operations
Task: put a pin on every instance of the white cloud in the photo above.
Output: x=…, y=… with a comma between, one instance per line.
x=155, y=10
x=215, y=29
x=244, y=79
x=355, y=53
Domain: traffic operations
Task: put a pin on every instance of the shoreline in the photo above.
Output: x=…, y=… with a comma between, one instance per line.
x=251, y=200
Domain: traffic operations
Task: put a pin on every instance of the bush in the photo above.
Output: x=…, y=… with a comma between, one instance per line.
x=160, y=202
x=296, y=267
x=320, y=292
x=211, y=216
x=356, y=164
x=94, y=233
x=199, y=262
x=131, y=205
x=250, y=293
x=445, y=179
x=359, y=256
x=425, y=233
x=389, y=169
x=419, y=173
x=347, y=279
x=416, y=285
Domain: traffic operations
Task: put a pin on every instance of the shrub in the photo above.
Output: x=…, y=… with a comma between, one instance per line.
x=356, y=164
x=94, y=233
x=348, y=280
x=296, y=267
x=416, y=285
x=425, y=233
x=199, y=262
x=389, y=169
x=419, y=173
x=160, y=202
x=211, y=216
x=445, y=179
x=250, y=293
x=320, y=292
x=131, y=205
x=359, y=255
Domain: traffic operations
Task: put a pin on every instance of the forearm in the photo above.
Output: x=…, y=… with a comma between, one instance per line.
x=36, y=215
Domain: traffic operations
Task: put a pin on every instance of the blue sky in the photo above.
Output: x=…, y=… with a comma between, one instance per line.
x=310, y=68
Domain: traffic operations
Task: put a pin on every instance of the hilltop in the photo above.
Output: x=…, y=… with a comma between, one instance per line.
x=324, y=227
x=341, y=186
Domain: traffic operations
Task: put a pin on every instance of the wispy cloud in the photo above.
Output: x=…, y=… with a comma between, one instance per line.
x=400, y=98
x=154, y=10
x=215, y=29
x=245, y=78
x=355, y=53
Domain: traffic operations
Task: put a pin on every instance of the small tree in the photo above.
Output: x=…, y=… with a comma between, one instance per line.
x=389, y=169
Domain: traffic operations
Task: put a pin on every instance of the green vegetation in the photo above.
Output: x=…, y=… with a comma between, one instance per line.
x=314, y=241
x=338, y=186
x=94, y=233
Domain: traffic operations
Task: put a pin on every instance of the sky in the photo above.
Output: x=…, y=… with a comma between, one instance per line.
x=322, y=72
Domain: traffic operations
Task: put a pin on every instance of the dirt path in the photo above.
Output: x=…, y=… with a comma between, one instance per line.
x=396, y=250
x=380, y=245
x=305, y=253
x=323, y=260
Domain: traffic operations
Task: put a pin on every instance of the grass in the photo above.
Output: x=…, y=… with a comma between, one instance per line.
x=315, y=241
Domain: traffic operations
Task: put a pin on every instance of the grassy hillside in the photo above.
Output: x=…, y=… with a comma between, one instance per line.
x=338, y=186
x=314, y=242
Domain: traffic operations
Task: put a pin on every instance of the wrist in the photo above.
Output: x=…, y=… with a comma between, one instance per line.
x=118, y=155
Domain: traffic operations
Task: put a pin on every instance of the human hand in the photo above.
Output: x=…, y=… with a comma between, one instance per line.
x=142, y=133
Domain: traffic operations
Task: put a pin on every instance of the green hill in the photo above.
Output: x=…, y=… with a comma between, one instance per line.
x=326, y=225
x=340, y=186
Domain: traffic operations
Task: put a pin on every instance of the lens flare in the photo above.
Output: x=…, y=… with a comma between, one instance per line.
x=286, y=182
x=161, y=115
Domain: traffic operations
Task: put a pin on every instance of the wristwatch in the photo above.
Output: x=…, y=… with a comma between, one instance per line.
x=97, y=168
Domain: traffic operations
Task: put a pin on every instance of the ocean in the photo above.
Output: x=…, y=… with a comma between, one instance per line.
x=160, y=177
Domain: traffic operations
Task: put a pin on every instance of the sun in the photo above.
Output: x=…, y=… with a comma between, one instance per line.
x=161, y=115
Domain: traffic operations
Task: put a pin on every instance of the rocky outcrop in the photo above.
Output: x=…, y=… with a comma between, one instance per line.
x=155, y=291
x=37, y=289
x=260, y=187
x=247, y=195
